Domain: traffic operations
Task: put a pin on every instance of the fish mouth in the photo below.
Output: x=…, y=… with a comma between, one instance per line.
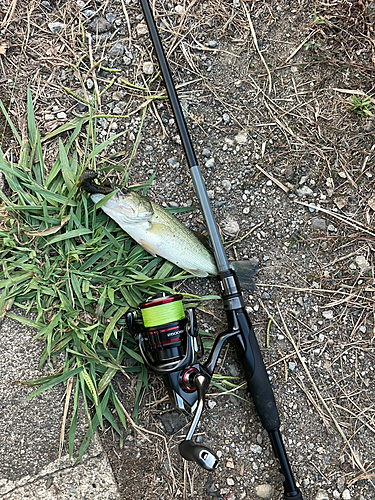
x=87, y=183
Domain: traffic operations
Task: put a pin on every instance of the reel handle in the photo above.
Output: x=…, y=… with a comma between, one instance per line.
x=202, y=455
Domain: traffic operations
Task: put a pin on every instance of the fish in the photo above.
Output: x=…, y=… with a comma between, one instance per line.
x=156, y=230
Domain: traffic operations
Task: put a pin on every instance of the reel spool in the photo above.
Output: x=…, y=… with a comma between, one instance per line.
x=164, y=327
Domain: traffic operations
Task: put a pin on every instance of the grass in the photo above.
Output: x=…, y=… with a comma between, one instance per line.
x=74, y=274
x=362, y=106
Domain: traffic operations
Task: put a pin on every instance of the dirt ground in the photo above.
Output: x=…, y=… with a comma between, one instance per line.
x=289, y=167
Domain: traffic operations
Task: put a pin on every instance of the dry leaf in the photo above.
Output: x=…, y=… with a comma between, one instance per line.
x=371, y=202
x=3, y=48
x=341, y=202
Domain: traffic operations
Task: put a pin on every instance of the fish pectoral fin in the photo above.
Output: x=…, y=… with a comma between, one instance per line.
x=196, y=272
x=148, y=247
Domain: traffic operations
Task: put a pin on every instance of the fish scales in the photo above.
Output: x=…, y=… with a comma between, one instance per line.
x=159, y=232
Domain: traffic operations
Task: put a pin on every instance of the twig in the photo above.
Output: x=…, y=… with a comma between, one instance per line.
x=300, y=46
x=65, y=414
x=357, y=225
x=253, y=34
x=278, y=183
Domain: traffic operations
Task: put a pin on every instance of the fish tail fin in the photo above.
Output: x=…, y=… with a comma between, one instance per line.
x=246, y=271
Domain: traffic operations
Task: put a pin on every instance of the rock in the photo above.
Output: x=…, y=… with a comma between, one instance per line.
x=110, y=17
x=230, y=481
x=319, y=224
x=230, y=227
x=327, y=314
x=209, y=163
x=346, y=495
x=56, y=27
x=226, y=185
x=61, y=115
x=206, y=153
x=141, y=29
x=178, y=181
x=49, y=117
x=226, y=118
x=233, y=370
x=255, y=448
x=100, y=25
x=264, y=491
x=331, y=228
x=266, y=296
x=362, y=263
x=148, y=68
x=305, y=191
x=211, y=404
x=117, y=50
x=341, y=483
x=291, y=365
x=321, y=495
x=89, y=83
x=241, y=138
x=212, y=43
x=172, y=422
x=179, y=10
x=230, y=463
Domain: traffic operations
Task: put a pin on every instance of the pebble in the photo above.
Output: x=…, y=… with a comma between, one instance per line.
x=211, y=194
x=179, y=10
x=319, y=224
x=100, y=25
x=321, y=495
x=178, y=181
x=241, y=138
x=255, y=448
x=206, y=153
x=56, y=27
x=230, y=227
x=209, y=163
x=327, y=314
x=49, y=117
x=89, y=83
x=230, y=463
x=110, y=17
x=305, y=191
x=336, y=494
x=226, y=118
x=264, y=491
x=117, y=50
x=212, y=43
x=89, y=13
x=61, y=115
x=148, y=68
x=341, y=483
x=233, y=370
x=117, y=110
x=291, y=365
x=141, y=29
x=246, y=210
x=331, y=227
x=362, y=262
x=211, y=404
x=226, y=185
x=346, y=495
x=230, y=481
x=46, y=5
x=266, y=296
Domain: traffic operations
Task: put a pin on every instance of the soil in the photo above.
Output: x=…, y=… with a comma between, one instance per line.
x=289, y=169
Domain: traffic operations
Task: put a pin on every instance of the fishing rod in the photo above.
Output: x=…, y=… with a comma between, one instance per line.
x=169, y=341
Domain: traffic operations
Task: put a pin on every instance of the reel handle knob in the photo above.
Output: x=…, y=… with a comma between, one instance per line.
x=200, y=454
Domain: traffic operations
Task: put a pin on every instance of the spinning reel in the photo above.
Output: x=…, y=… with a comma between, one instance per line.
x=170, y=346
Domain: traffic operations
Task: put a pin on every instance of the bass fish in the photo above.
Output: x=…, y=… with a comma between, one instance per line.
x=154, y=228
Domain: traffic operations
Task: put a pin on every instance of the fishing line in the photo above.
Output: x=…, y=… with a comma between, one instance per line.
x=162, y=313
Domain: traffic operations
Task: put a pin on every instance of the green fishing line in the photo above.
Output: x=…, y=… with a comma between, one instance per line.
x=163, y=314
